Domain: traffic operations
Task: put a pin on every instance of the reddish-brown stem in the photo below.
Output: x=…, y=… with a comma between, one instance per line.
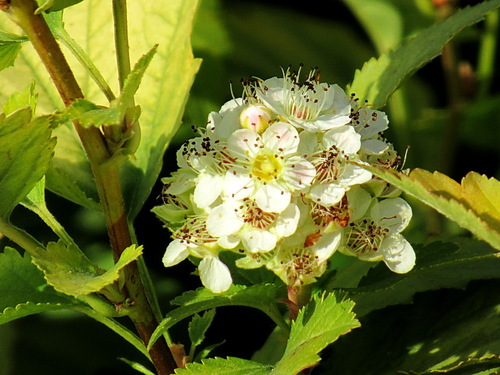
x=106, y=174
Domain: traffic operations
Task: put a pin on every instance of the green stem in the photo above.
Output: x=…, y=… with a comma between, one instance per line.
x=20, y=237
x=49, y=219
x=150, y=290
x=57, y=27
x=487, y=50
x=115, y=327
x=105, y=170
x=121, y=39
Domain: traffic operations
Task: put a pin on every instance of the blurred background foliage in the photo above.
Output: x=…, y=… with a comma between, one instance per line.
x=447, y=114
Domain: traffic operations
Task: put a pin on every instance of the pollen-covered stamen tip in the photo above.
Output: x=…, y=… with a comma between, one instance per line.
x=365, y=237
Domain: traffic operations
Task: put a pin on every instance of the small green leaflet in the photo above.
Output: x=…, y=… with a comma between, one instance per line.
x=379, y=78
x=322, y=321
x=23, y=290
x=10, y=45
x=474, y=204
x=225, y=366
x=199, y=325
x=262, y=297
x=318, y=324
x=89, y=114
x=69, y=271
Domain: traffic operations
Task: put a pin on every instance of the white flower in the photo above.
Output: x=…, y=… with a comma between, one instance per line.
x=308, y=105
x=244, y=221
x=370, y=124
x=302, y=263
x=193, y=239
x=223, y=123
x=334, y=174
x=205, y=161
x=377, y=236
x=267, y=167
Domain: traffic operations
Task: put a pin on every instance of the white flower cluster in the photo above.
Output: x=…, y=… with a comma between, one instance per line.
x=276, y=177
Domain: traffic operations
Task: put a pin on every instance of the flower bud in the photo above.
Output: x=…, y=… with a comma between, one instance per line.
x=256, y=117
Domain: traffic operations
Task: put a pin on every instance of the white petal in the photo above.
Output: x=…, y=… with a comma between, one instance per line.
x=326, y=122
x=281, y=137
x=344, y=138
x=237, y=186
x=398, y=253
x=208, y=189
x=271, y=198
x=354, y=175
x=228, y=242
x=226, y=121
x=176, y=252
x=257, y=241
x=359, y=201
x=286, y=223
x=244, y=142
x=181, y=181
x=214, y=274
x=327, y=245
x=341, y=103
x=366, y=117
x=392, y=213
x=374, y=146
x=308, y=143
x=223, y=219
x=299, y=173
x=327, y=194
x=249, y=262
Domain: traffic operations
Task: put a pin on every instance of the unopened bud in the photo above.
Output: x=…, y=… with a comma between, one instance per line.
x=256, y=117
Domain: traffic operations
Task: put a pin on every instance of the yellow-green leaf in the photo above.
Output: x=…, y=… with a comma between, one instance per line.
x=473, y=204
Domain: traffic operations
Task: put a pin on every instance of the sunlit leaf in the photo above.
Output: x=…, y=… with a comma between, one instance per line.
x=54, y=5
x=69, y=271
x=474, y=204
x=162, y=95
x=227, y=366
x=322, y=321
x=26, y=148
x=10, y=45
x=379, y=78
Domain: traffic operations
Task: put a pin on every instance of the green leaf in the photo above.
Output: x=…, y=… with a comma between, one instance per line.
x=379, y=78
x=474, y=204
x=21, y=99
x=228, y=366
x=322, y=321
x=90, y=114
x=69, y=271
x=26, y=149
x=199, y=325
x=442, y=332
x=162, y=95
x=23, y=290
x=54, y=5
x=10, y=45
x=439, y=265
x=137, y=366
x=262, y=297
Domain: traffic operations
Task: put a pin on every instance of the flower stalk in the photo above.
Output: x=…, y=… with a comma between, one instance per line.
x=105, y=170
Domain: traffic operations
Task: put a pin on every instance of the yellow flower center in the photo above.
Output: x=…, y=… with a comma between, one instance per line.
x=267, y=167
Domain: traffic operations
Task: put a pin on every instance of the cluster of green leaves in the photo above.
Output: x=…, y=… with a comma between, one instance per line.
x=58, y=275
